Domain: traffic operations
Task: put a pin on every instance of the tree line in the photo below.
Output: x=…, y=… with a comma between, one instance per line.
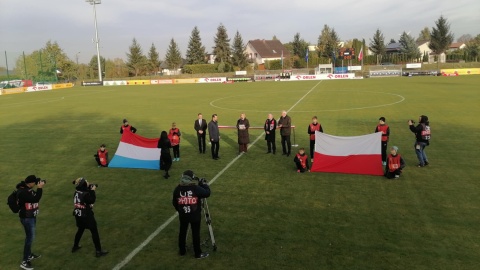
x=51, y=63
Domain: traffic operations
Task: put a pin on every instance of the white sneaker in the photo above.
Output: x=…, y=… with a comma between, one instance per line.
x=26, y=265
x=397, y=176
x=384, y=163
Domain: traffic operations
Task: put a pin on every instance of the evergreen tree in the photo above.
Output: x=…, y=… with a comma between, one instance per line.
x=392, y=41
x=424, y=35
x=136, y=61
x=409, y=46
x=153, y=60
x=221, y=50
x=377, y=45
x=327, y=42
x=440, y=36
x=239, y=57
x=173, y=57
x=195, y=51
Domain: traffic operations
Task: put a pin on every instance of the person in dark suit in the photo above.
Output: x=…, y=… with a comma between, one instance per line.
x=270, y=127
x=200, y=126
x=214, y=135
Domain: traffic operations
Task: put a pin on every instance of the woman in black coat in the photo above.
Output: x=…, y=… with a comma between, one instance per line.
x=165, y=157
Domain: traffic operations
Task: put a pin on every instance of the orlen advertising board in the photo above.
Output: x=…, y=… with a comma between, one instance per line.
x=39, y=87
x=328, y=76
x=212, y=80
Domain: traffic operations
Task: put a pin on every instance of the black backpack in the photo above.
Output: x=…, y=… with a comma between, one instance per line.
x=12, y=201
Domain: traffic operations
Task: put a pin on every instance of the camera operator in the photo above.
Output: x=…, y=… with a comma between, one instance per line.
x=422, y=136
x=83, y=200
x=187, y=201
x=28, y=200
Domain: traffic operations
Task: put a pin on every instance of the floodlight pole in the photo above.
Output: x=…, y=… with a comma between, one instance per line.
x=96, y=2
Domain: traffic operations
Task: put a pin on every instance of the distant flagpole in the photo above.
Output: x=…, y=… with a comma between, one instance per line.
x=306, y=57
x=282, y=60
x=360, y=56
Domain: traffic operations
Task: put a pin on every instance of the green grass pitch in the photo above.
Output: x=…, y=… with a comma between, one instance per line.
x=264, y=214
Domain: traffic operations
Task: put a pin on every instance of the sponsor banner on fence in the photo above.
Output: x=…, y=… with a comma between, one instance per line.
x=62, y=85
x=185, y=80
x=414, y=65
x=161, y=81
x=92, y=83
x=212, y=80
x=328, y=76
x=138, y=82
x=460, y=71
x=354, y=67
x=114, y=83
x=39, y=87
x=12, y=90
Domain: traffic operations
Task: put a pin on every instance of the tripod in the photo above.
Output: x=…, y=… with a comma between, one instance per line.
x=208, y=220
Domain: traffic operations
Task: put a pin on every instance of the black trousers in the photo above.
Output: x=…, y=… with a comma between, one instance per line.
x=176, y=151
x=286, y=144
x=312, y=148
x=299, y=166
x=271, y=146
x=87, y=223
x=201, y=143
x=215, y=147
x=384, y=151
x=182, y=237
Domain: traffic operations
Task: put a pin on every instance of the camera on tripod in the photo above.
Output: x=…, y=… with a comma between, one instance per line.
x=201, y=181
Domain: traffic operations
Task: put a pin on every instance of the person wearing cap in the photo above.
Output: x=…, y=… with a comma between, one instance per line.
x=174, y=136
x=314, y=126
x=243, y=137
x=127, y=127
x=200, y=127
x=186, y=200
x=395, y=164
x=28, y=200
x=102, y=156
x=214, y=134
x=385, y=129
x=83, y=200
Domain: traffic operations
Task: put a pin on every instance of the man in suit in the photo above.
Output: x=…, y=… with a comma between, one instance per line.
x=214, y=135
x=200, y=126
x=285, y=123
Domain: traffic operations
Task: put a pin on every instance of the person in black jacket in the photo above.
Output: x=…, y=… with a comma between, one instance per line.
x=214, y=134
x=422, y=138
x=28, y=200
x=200, y=127
x=165, y=158
x=83, y=200
x=187, y=198
x=270, y=127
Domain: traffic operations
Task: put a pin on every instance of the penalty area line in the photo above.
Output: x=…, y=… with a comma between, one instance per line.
x=134, y=252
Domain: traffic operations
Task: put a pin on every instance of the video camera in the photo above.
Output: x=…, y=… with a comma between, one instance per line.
x=40, y=181
x=201, y=181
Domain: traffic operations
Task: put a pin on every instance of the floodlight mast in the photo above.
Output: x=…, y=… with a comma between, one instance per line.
x=93, y=3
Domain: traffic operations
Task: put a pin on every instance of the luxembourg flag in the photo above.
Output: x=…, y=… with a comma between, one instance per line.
x=135, y=151
x=354, y=155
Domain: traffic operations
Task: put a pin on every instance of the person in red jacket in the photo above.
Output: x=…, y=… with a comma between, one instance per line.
x=385, y=129
x=395, y=164
x=102, y=156
x=314, y=126
x=127, y=127
x=174, y=136
x=301, y=161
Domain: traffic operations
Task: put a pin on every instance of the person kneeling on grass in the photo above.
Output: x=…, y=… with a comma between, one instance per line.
x=301, y=160
x=395, y=164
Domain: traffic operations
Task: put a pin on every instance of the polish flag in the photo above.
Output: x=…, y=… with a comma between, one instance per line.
x=135, y=151
x=360, y=55
x=353, y=155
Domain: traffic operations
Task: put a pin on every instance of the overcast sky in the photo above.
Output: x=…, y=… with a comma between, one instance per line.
x=26, y=25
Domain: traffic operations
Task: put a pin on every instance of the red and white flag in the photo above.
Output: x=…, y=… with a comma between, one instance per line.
x=354, y=155
x=360, y=55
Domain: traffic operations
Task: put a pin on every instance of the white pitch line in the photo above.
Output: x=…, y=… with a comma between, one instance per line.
x=166, y=223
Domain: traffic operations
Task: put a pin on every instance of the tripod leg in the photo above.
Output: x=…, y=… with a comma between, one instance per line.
x=208, y=220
